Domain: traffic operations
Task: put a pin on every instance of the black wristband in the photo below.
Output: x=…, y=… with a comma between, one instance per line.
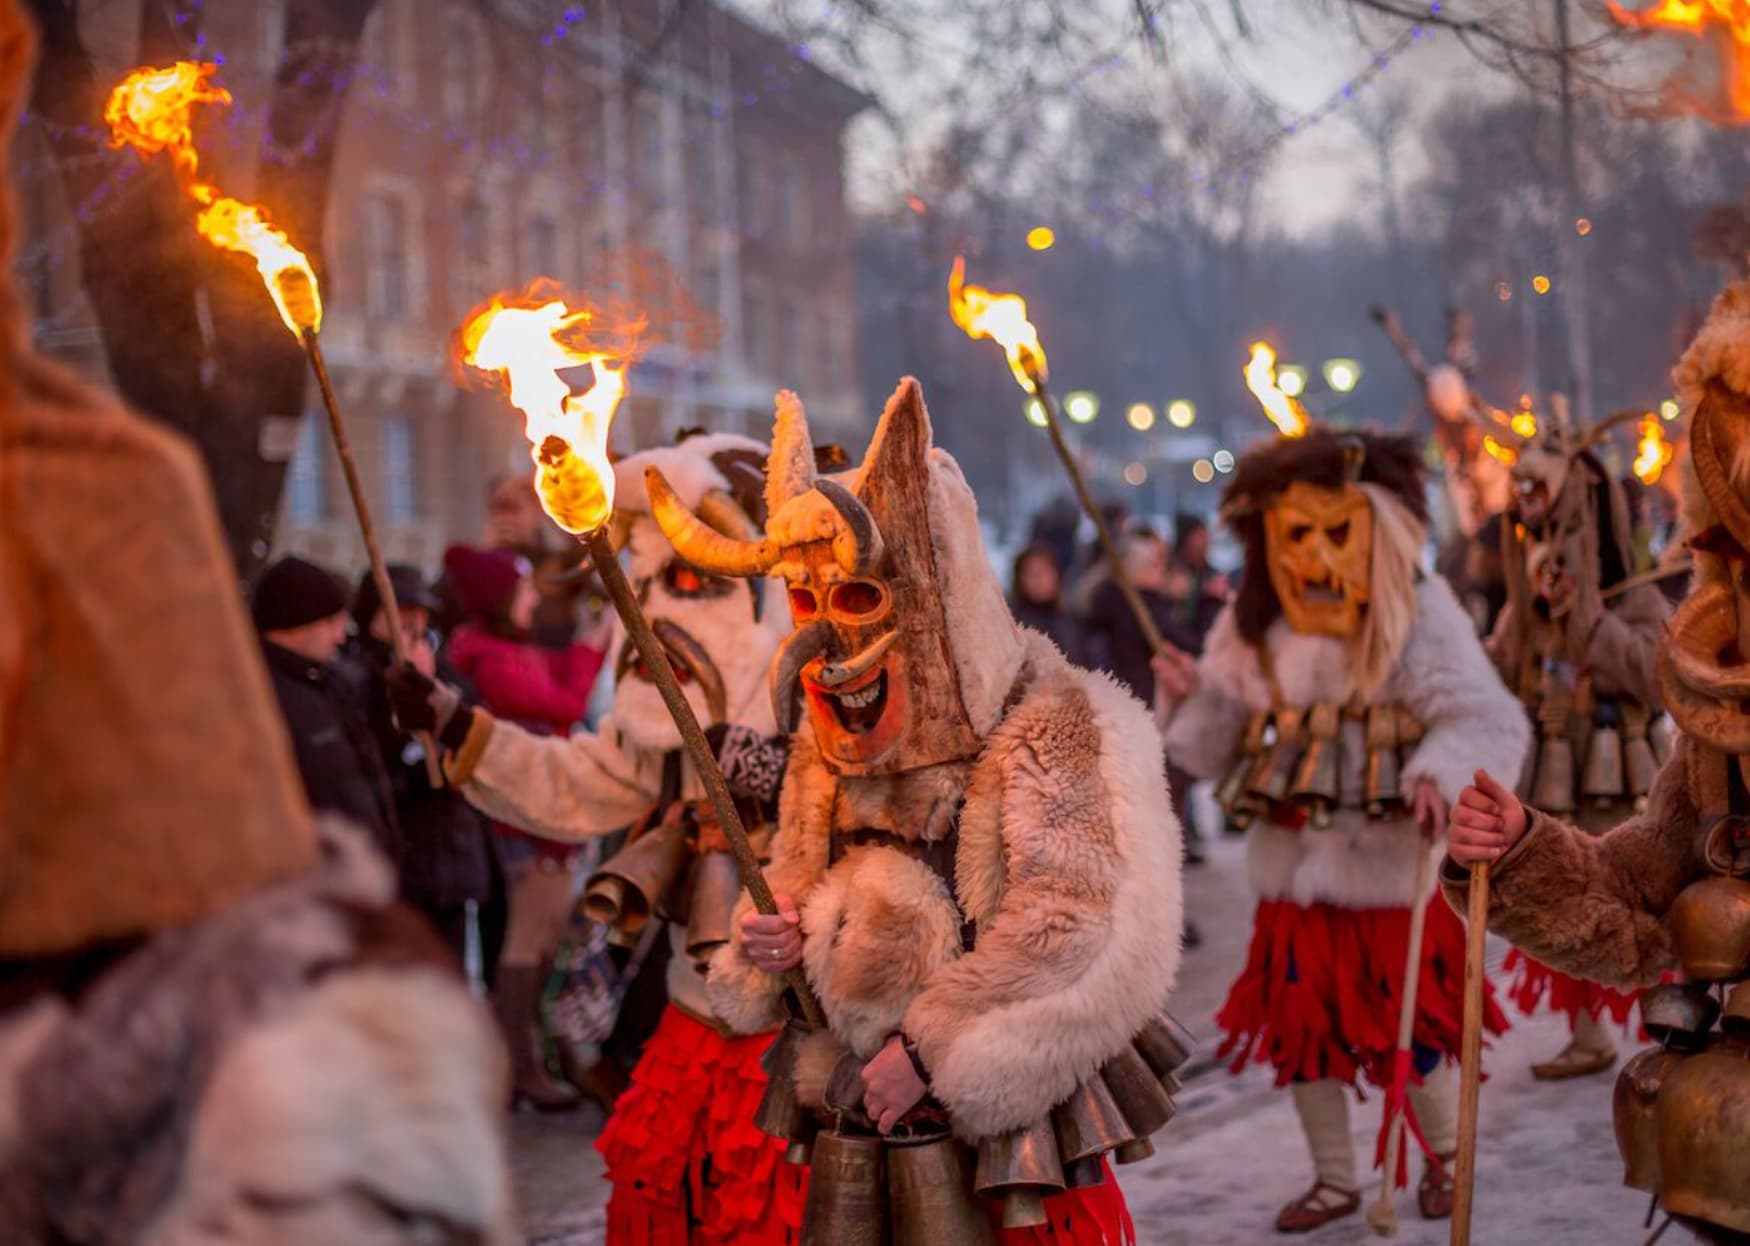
x=455, y=732
x=917, y=1061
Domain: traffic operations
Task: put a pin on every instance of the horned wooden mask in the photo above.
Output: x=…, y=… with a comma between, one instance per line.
x=870, y=658
x=1319, y=543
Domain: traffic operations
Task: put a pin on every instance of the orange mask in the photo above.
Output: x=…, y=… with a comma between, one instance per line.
x=1319, y=544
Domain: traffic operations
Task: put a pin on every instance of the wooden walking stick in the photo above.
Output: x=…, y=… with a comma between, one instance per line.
x=1382, y=1215
x=1470, y=1055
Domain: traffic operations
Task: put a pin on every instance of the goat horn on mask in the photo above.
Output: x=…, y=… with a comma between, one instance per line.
x=699, y=541
x=857, y=544
x=807, y=643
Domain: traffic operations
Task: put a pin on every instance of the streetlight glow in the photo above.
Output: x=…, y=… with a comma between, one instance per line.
x=1669, y=409
x=1041, y=237
x=1223, y=461
x=1141, y=416
x=1291, y=380
x=1181, y=413
x=1135, y=474
x=1081, y=406
x=1342, y=375
x=1540, y=283
x=1203, y=471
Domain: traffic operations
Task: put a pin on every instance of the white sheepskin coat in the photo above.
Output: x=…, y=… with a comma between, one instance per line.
x=1067, y=861
x=1443, y=677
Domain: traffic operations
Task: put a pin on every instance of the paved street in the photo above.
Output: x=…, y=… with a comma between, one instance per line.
x=1548, y=1172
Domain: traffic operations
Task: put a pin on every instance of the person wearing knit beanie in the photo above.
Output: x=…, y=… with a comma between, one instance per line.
x=482, y=581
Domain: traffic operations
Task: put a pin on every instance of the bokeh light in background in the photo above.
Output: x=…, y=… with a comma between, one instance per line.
x=1081, y=406
x=1503, y=291
x=1203, y=471
x=1540, y=283
x=1669, y=409
x=1342, y=375
x=1141, y=416
x=1583, y=226
x=1181, y=413
x=1135, y=473
x=1041, y=237
x=1291, y=380
x=1035, y=413
x=1223, y=461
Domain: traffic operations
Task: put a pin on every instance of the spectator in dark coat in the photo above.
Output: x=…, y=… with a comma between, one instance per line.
x=300, y=611
x=1036, y=598
x=1113, y=639
x=1197, y=590
x=450, y=857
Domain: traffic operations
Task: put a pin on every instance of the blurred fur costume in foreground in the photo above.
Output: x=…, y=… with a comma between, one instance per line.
x=980, y=845
x=686, y=1161
x=1338, y=680
x=216, y=1025
x=1668, y=888
x=1584, y=668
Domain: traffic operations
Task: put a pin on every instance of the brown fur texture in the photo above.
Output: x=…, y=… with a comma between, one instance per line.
x=1067, y=862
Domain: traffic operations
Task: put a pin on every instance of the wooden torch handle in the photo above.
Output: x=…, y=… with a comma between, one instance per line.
x=1470, y=1056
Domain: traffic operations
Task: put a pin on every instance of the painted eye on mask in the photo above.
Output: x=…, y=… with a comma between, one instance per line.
x=1339, y=535
x=857, y=599
x=804, y=605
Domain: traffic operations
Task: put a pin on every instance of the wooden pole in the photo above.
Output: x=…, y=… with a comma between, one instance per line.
x=1108, y=545
x=1382, y=1217
x=379, y=569
x=1470, y=1056
x=607, y=565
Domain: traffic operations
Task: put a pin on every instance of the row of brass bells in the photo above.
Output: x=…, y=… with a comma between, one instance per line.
x=780, y=1113
x=866, y=1191
x=1382, y=790
x=1274, y=779
x=1710, y=929
x=629, y=887
x=1233, y=792
x=1619, y=759
x=1639, y=761
x=714, y=889
x=1316, y=779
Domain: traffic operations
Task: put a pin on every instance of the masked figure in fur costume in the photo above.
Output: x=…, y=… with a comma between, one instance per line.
x=1583, y=664
x=1342, y=698
x=1670, y=887
x=217, y=1026
x=686, y=1163
x=976, y=858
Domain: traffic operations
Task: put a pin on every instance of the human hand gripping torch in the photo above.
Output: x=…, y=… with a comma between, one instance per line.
x=152, y=110
x=982, y=313
x=526, y=341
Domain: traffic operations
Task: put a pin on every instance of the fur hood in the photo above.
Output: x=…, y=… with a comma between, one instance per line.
x=1443, y=677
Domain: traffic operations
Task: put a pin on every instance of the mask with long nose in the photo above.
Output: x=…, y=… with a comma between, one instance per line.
x=871, y=661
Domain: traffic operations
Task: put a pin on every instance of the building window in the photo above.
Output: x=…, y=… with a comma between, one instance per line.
x=790, y=344
x=385, y=57
x=833, y=353
x=792, y=202
x=472, y=257
x=543, y=255
x=272, y=15
x=388, y=237
x=755, y=340
x=306, y=486
x=464, y=69
x=400, y=494
x=752, y=193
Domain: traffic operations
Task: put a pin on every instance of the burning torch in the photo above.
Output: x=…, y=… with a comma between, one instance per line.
x=983, y=313
x=152, y=110
x=526, y=341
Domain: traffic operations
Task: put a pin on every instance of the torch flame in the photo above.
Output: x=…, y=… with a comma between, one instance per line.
x=152, y=111
x=527, y=341
x=1654, y=454
x=1524, y=424
x=1695, y=17
x=1003, y=319
x=1506, y=454
x=1286, y=413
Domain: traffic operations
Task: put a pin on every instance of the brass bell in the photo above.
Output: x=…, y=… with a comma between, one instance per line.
x=1601, y=782
x=1636, y=1095
x=715, y=890
x=1639, y=766
x=1679, y=1014
x=1274, y=778
x=1382, y=791
x=847, y=1197
x=1138, y=1092
x=1020, y=1167
x=930, y=1200
x=1084, y=1174
x=1710, y=929
x=1231, y=792
x=1164, y=1044
x=1553, y=789
x=625, y=891
x=1704, y=1165
x=1090, y=1123
x=1315, y=779
x=1735, y=1017
x=780, y=1114
x=1135, y=1152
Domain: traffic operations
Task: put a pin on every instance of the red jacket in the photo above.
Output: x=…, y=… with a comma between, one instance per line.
x=545, y=690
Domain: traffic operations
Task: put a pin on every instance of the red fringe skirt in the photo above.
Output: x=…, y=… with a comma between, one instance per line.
x=1320, y=992
x=1534, y=982
x=688, y=1165
x=1090, y=1216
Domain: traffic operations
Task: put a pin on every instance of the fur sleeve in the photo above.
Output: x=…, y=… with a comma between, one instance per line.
x=1594, y=906
x=1204, y=731
x=746, y=998
x=1625, y=646
x=1078, y=940
x=1445, y=679
x=568, y=788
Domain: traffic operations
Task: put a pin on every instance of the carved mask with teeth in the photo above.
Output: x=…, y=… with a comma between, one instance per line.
x=871, y=661
x=1320, y=546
